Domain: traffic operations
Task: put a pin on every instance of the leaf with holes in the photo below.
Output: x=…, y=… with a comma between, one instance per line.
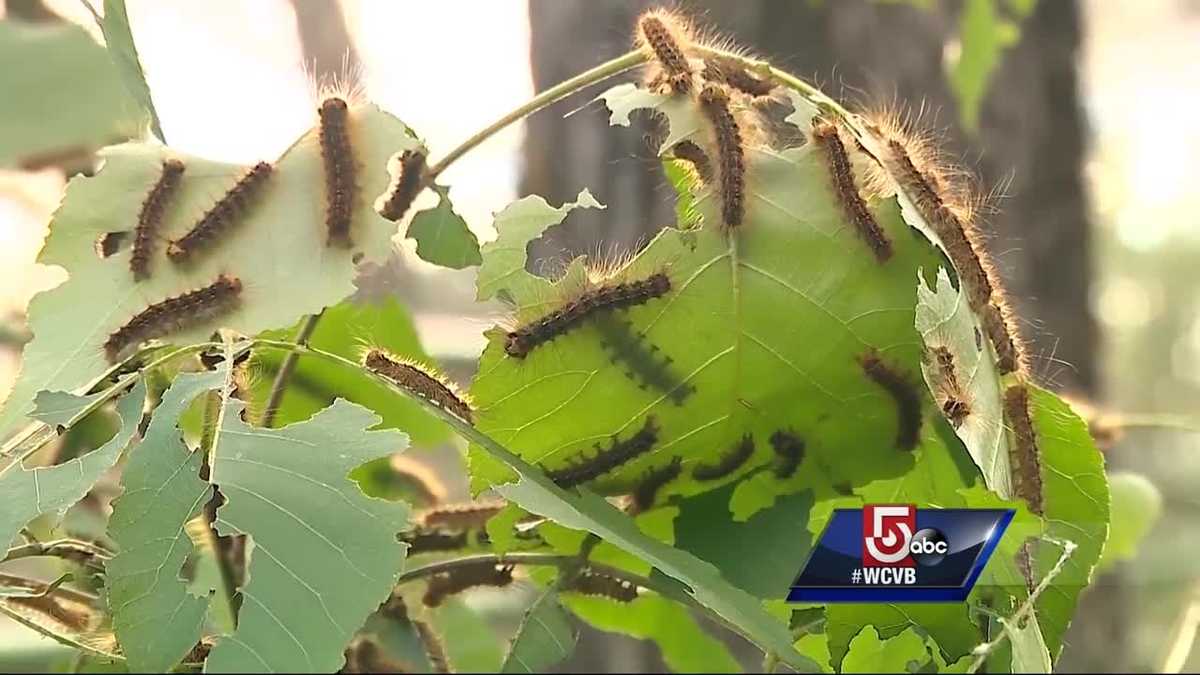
x=443, y=237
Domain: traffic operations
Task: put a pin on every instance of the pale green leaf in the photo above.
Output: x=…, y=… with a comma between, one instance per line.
x=119, y=38
x=443, y=237
x=544, y=639
x=1136, y=507
x=870, y=654
x=471, y=643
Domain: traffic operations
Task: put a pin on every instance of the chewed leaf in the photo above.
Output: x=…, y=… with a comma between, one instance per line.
x=277, y=250
x=443, y=237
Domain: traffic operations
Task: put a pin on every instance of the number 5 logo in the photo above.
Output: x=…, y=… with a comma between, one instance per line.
x=887, y=532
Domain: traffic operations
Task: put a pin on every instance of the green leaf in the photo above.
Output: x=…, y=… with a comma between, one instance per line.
x=119, y=38
x=1136, y=506
x=685, y=646
x=278, y=249
x=871, y=654
x=470, y=641
x=156, y=619
x=64, y=97
x=984, y=37
x=949, y=626
x=28, y=493
x=544, y=639
x=443, y=237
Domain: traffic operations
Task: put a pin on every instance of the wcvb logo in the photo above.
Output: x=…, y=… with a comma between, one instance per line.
x=887, y=535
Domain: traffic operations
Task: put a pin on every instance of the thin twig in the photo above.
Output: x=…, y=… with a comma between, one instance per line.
x=82, y=552
x=285, y=370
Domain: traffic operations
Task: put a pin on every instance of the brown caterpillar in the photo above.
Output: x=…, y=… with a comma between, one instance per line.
x=145, y=233
x=409, y=182
x=953, y=399
x=731, y=153
x=525, y=339
x=619, y=452
x=445, y=584
x=644, y=365
x=337, y=155
x=729, y=72
x=173, y=314
x=666, y=39
x=435, y=651
x=222, y=216
x=789, y=452
x=429, y=541
x=728, y=462
x=1027, y=466
x=1001, y=329
x=461, y=516
x=646, y=492
x=828, y=138
x=903, y=393
x=693, y=154
x=412, y=377
x=603, y=585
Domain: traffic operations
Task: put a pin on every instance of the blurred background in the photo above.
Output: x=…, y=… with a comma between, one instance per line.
x=1076, y=115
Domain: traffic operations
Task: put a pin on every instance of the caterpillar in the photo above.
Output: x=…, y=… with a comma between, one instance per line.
x=409, y=182
x=435, y=650
x=150, y=217
x=731, y=153
x=728, y=72
x=626, y=346
x=461, y=516
x=364, y=656
x=789, y=452
x=953, y=401
x=828, y=138
x=607, y=459
x=693, y=154
x=665, y=38
x=596, y=584
x=412, y=377
x=428, y=541
x=445, y=584
x=646, y=492
x=337, y=156
x=1000, y=326
x=728, y=462
x=518, y=343
x=1027, y=468
x=177, y=313
x=221, y=216
x=905, y=395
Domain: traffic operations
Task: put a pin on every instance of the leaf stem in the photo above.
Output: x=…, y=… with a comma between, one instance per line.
x=83, y=552
x=285, y=370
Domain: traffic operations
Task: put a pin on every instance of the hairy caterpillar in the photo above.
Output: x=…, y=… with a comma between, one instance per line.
x=731, y=153
x=667, y=39
x=619, y=452
x=414, y=378
x=646, y=492
x=151, y=215
x=410, y=179
x=428, y=541
x=905, y=395
x=953, y=400
x=445, y=584
x=461, y=516
x=729, y=72
x=1026, y=463
x=177, y=313
x=435, y=651
x=727, y=463
x=828, y=138
x=789, y=452
x=1000, y=326
x=525, y=339
x=221, y=216
x=693, y=154
x=337, y=155
x=603, y=585
x=654, y=373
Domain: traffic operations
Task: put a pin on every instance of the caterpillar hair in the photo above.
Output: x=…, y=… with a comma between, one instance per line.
x=1025, y=459
x=445, y=584
x=410, y=180
x=693, y=154
x=731, y=460
x=654, y=480
x=602, y=585
x=525, y=339
x=731, y=153
x=666, y=39
x=729, y=72
x=416, y=379
x=1001, y=327
x=789, y=452
x=173, y=314
x=903, y=393
x=337, y=156
x=435, y=650
x=584, y=469
x=468, y=516
x=828, y=138
x=221, y=216
x=149, y=221
x=951, y=397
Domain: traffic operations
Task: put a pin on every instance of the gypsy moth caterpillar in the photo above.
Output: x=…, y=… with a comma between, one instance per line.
x=222, y=215
x=445, y=584
x=606, y=297
x=173, y=314
x=655, y=479
x=1001, y=327
x=729, y=72
x=431, y=541
x=854, y=208
x=583, y=469
x=468, y=516
x=664, y=35
x=420, y=381
x=410, y=180
x=596, y=584
x=693, y=154
x=150, y=217
x=951, y=397
x=731, y=153
x=1027, y=466
x=729, y=461
x=902, y=392
x=337, y=156
x=789, y=452
x=628, y=347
